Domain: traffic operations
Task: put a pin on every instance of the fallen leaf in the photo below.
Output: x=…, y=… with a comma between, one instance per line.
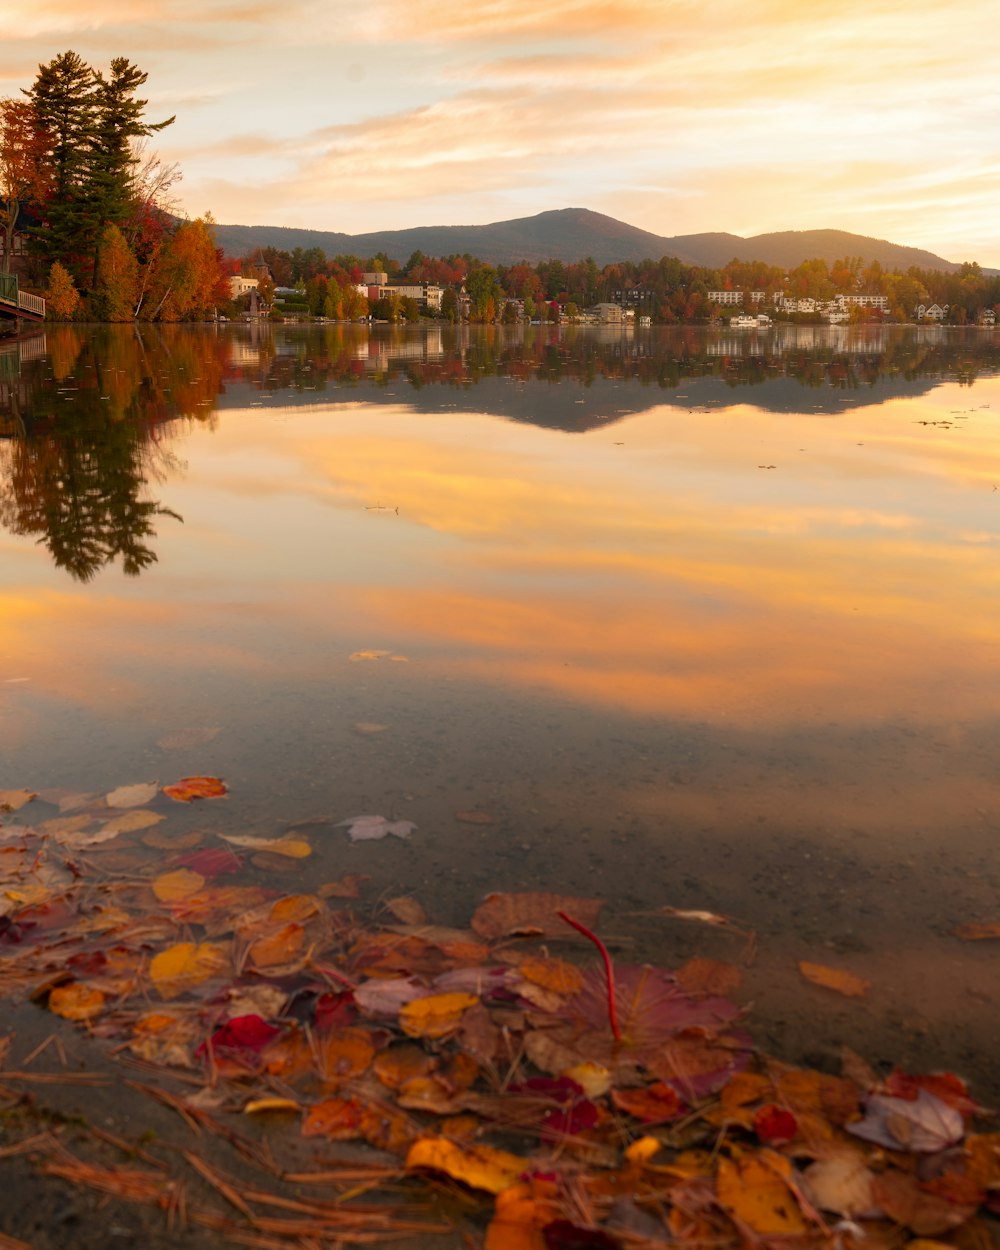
x=190, y=788
x=482, y=1167
x=434, y=1016
x=369, y=655
x=343, y=1054
x=170, y=887
x=708, y=976
x=278, y=949
x=133, y=796
x=346, y=887
x=656, y=1104
x=257, y=1106
x=774, y=1125
x=185, y=965
x=289, y=847
x=76, y=1001
x=533, y=912
x=976, y=931
x=368, y=728
x=845, y=983
x=903, y=1199
x=161, y=840
x=12, y=800
x=475, y=817
x=340, y=1119
x=408, y=910
x=759, y=1196
x=364, y=828
x=132, y=822
x=924, y=1124
x=843, y=1184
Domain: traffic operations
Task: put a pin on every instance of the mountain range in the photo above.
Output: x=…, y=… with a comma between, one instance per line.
x=574, y=234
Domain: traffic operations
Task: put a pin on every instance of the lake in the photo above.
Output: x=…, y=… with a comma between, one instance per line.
x=678, y=618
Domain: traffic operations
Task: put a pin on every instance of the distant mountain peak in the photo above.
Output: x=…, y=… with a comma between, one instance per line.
x=574, y=234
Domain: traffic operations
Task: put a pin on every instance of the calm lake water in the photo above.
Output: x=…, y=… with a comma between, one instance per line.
x=697, y=619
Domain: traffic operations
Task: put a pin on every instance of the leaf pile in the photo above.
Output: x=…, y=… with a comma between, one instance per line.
x=476, y=1060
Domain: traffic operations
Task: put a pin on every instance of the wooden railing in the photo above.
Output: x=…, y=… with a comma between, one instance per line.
x=12, y=299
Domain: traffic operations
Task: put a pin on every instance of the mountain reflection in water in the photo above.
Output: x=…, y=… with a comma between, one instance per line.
x=85, y=414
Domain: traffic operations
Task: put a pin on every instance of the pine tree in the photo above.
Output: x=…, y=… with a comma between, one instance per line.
x=63, y=99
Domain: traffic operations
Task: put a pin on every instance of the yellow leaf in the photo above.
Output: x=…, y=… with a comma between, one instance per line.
x=130, y=822
x=257, y=1105
x=758, y=1196
x=435, y=1016
x=11, y=800
x=292, y=848
x=479, y=1166
x=185, y=965
x=133, y=796
x=845, y=983
x=171, y=887
x=76, y=1001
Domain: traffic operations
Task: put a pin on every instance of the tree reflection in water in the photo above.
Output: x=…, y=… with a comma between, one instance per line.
x=86, y=412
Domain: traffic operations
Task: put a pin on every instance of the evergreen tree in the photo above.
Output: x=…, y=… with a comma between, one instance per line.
x=63, y=100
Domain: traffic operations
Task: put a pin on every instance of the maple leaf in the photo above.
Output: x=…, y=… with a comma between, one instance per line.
x=923, y=1124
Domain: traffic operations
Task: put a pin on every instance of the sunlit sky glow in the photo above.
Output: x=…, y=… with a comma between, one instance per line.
x=678, y=116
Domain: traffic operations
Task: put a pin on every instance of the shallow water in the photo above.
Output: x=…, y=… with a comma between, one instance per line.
x=696, y=619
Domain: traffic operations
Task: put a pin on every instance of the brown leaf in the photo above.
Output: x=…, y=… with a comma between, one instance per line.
x=902, y=1199
x=976, y=931
x=408, y=910
x=534, y=912
x=473, y=816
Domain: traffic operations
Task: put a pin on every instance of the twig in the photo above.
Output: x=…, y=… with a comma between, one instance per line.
x=609, y=972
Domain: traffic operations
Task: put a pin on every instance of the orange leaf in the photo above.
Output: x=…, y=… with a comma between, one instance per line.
x=757, y=1195
x=295, y=907
x=346, y=887
x=976, y=931
x=654, y=1104
x=171, y=887
x=520, y=1214
x=399, y=1064
x=556, y=975
x=336, y=1118
x=190, y=788
x=709, y=976
x=276, y=949
x=845, y=983
x=436, y=1016
x=482, y=1167
x=76, y=1001
x=344, y=1053
x=185, y=965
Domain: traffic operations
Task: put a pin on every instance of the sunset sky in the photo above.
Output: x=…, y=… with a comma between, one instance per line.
x=880, y=117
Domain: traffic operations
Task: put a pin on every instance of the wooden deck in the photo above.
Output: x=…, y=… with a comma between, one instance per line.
x=17, y=303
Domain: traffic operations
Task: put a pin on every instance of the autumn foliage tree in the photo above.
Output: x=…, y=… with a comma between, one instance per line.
x=24, y=176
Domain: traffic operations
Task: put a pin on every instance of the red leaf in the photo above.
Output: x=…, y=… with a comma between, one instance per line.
x=247, y=1035
x=211, y=862
x=774, y=1125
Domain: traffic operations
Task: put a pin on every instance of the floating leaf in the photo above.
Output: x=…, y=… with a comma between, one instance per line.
x=133, y=796
x=259, y=1106
x=12, y=800
x=343, y=1054
x=170, y=887
x=845, y=983
x=365, y=828
x=532, y=912
x=185, y=965
x=909, y=1203
x=286, y=846
x=132, y=822
x=346, y=887
x=76, y=1001
x=774, y=1125
x=479, y=1166
x=408, y=910
x=276, y=950
x=368, y=728
x=190, y=788
x=215, y=861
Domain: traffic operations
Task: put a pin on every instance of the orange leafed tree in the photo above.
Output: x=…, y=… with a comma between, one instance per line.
x=190, y=280
x=23, y=172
